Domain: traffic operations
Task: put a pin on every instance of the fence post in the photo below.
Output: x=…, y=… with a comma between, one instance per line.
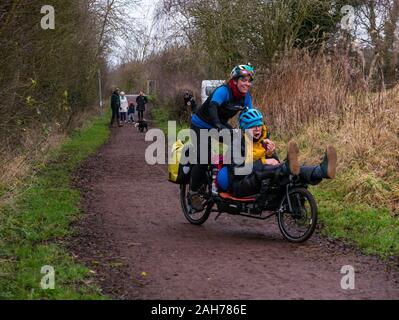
x=100, y=92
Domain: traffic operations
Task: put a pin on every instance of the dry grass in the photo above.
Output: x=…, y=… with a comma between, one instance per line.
x=35, y=145
x=301, y=90
x=15, y=168
x=319, y=102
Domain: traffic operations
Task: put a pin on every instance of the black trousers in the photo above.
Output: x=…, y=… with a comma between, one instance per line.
x=140, y=114
x=198, y=172
x=115, y=115
x=251, y=184
x=123, y=116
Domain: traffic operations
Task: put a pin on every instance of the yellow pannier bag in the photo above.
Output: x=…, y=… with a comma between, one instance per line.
x=178, y=173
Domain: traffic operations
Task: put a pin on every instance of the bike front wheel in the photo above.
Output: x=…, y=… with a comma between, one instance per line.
x=298, y=222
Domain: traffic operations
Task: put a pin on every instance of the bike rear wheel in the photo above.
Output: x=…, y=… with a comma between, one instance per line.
x=297, y=225
x=194, y=217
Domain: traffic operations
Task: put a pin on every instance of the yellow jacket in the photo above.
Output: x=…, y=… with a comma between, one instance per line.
x=256, y=148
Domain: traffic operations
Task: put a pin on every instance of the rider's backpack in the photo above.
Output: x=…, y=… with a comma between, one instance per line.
x=177, y=172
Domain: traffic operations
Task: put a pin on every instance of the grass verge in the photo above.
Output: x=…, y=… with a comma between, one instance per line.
x=372, y=229
x=35, y=223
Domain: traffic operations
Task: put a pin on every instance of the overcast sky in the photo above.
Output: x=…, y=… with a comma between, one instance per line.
x=141, y=16
x=145, y=10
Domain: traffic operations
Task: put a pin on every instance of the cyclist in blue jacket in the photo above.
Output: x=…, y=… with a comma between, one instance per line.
x=222, y=105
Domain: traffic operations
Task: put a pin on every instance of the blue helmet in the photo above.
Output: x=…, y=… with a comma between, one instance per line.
x=250, y=118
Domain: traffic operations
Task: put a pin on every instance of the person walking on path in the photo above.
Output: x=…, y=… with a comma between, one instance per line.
x=141, y=101
x=115, y=105
x=123, y=108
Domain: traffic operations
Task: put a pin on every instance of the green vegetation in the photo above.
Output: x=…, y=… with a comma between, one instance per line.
x=35, y=224
x=372, y=229
x=162, y=115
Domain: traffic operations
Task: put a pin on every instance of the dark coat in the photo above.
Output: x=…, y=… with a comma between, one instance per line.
x=141, y=102
x=115, y=101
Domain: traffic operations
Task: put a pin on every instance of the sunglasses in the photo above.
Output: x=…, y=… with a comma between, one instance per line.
x=244, y=79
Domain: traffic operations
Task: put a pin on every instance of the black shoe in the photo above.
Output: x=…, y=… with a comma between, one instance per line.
x=329, y=164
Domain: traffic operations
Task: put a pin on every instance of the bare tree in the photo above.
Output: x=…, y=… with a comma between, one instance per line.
x=378, y=20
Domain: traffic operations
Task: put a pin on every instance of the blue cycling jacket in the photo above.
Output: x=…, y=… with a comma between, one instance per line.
x=226, y=107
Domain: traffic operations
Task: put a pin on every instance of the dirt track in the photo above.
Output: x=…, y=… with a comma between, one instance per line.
x=137, y=240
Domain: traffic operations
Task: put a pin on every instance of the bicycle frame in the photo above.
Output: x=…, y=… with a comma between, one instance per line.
x=241, y=208
x=296, y=216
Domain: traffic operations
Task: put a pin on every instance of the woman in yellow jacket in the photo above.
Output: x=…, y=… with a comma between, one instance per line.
x=261, y=151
